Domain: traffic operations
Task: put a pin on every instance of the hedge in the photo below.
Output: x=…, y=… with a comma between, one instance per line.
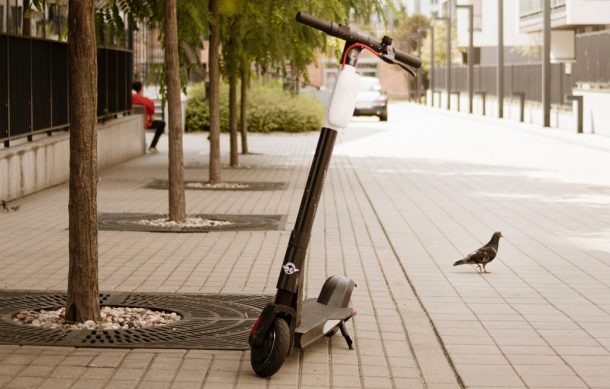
x=269, y=109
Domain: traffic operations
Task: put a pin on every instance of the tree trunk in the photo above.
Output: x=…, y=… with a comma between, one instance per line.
x=214, y=97
x=233, y=120
x=83, y=299
x=244, y=111
x=177, y=207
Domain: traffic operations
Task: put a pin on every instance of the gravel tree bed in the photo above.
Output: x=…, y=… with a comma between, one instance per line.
x=220, y=185
x=111, y=318
x=190, y=222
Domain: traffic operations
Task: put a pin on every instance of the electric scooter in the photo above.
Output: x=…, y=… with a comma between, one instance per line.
x=290, y=322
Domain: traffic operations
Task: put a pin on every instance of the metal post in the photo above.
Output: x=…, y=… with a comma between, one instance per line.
x=6, y=11
x=431, y=75
x=420, y=70
x=130, y=35
x=470, y=59
x=580, y=112
x=45, y=9
x=470, y=9
x=415, y=37
x=546, y=65
x=14, y=26
x=500, y=75
x=448, y=55
x=521, y=96
x=8, y=89
x=447, y=20
x=432, y=63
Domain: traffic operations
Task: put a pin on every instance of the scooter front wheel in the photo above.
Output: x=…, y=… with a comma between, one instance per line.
x=267, y=359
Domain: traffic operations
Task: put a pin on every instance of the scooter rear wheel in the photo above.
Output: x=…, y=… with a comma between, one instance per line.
x=269, y=358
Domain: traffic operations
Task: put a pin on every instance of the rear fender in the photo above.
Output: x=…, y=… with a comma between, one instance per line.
x=337, y=291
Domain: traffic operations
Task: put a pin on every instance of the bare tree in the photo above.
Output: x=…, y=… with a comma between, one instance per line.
x=231, y=64
x=233, y=120
x=213, y=98
x=177, y=203
x=243, y=125
x=83, y=300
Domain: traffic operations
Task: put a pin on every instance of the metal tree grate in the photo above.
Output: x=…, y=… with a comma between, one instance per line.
x=214, y=322
x=129, y=222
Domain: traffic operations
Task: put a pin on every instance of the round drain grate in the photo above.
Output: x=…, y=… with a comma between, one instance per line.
x=128, y=222
x=216, y=322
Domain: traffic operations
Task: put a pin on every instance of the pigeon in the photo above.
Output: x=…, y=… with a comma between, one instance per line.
x=484, y=255
x=6, y=209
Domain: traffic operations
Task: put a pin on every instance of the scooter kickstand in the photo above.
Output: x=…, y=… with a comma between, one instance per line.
x=345, y=334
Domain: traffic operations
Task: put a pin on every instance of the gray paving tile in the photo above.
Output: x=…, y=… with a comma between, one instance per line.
x=24, y=382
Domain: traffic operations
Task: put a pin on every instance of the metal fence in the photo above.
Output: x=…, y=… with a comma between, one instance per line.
x=34, y=85
x=518, y=79
x=592, y=57
x=591, y=67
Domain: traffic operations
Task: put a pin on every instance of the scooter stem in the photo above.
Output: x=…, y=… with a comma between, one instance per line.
x=294, y=259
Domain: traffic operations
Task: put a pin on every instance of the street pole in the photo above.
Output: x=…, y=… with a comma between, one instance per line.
x=500, y=73
x=432, y=63
x=470, y=9
x=416, y=37
x=449, y=55
x=420, y=70
x=447, y=20
x=546, y=65
x=431, y=75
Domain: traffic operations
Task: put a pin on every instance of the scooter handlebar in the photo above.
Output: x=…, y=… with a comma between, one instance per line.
x=344, y=32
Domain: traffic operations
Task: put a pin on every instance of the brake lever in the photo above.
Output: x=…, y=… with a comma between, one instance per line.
x=389, y=57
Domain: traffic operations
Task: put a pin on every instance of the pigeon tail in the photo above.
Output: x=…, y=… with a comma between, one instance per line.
x=461, y=262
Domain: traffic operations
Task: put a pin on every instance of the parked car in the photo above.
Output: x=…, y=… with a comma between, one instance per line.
x=371, y=99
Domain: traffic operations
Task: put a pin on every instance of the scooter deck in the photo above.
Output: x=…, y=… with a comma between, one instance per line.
x=314, y=317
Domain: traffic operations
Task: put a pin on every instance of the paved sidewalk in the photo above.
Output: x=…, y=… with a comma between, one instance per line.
x=442, y=184
x=402, y=202
x=400, y=351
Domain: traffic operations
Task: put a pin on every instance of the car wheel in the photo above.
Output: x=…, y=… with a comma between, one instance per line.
x=383, y=116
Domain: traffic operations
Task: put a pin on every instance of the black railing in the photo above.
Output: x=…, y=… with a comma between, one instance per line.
x=518, y=79
x=34, y=85
x=592, y=66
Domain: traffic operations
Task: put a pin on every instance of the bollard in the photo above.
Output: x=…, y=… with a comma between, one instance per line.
x=483, y=98
x=458, y=98
x=521, y=96
x=580, y=111
x=439, y=97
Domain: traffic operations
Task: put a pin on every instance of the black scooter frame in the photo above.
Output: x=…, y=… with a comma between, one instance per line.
x=290, y=321
x=290, y=286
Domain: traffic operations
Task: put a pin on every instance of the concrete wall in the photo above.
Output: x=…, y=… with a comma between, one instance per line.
x=596, y=114
x=587, y=12
x=560, y=116
x=34, y=166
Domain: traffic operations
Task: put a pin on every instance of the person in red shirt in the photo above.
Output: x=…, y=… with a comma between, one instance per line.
x=137, y=98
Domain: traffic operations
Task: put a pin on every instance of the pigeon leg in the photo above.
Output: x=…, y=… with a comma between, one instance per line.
x=485, y=270
x=479, y=267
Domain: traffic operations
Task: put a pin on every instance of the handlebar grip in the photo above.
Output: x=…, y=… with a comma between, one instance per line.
x=314, y=22
x=407, y=59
